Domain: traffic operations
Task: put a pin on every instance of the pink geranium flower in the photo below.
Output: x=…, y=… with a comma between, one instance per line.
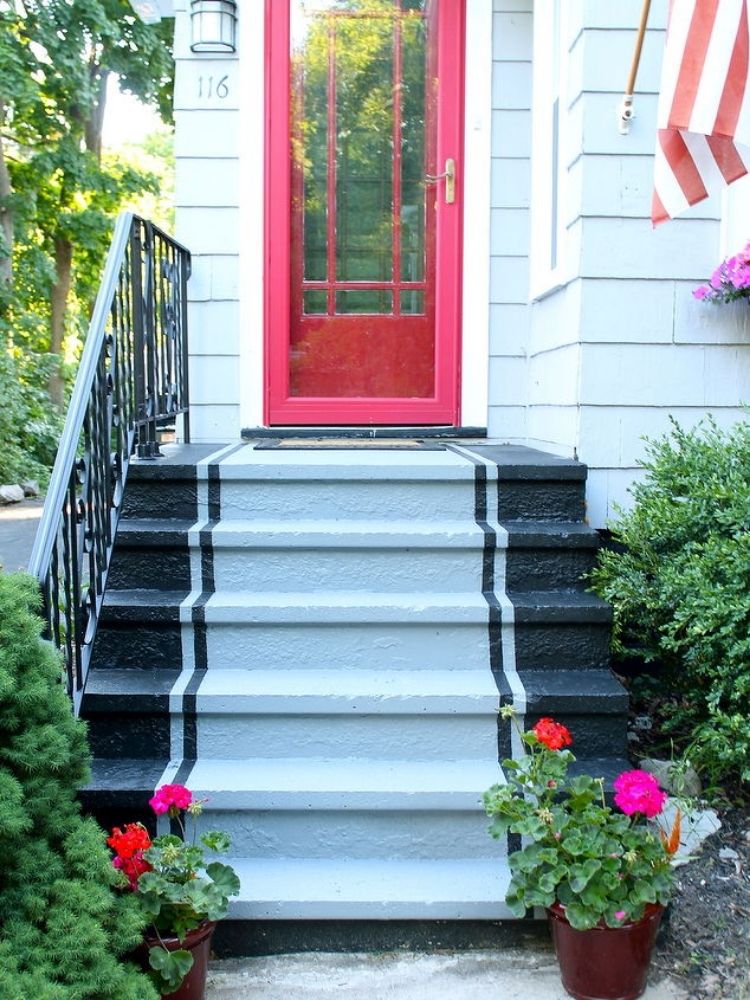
x=639, y=792
x=170, y=799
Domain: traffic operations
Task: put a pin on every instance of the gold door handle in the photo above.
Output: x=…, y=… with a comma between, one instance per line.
x=450, y=180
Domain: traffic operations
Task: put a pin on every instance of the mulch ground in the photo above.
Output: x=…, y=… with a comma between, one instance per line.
x=704, y=944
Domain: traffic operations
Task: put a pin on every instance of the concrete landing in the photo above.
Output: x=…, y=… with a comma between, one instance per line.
x=510, y=974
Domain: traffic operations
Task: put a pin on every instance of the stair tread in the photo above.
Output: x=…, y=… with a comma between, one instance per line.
x=345, y=465
x=321, y=887
x=557, y=534
x=371, y=533
x=370, y=688
x=302, y=692
x=224, y=780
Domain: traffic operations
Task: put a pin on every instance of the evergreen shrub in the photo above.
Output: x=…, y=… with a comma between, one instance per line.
x=62, y=927
x=679, y=584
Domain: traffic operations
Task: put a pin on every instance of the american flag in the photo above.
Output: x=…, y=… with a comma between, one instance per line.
x=703, y=121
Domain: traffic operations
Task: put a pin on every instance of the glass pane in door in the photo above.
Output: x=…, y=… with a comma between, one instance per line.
x=362, y=124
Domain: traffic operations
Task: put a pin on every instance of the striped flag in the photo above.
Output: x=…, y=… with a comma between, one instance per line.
x=703, y=121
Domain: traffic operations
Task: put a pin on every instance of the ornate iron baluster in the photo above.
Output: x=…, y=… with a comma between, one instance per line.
x=131, y=382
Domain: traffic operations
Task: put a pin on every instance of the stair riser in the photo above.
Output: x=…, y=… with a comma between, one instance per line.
x=547, y=569
x=152, y=567
x=354, y=499
x=600, y=735
x=413, y=646
x=408, y=646
x=379, y=570
x=157, y=498
x=138, y=645
x=421, y=737
x=396, y=737
x=562, y=647
x=531, y=500
x=350, y=833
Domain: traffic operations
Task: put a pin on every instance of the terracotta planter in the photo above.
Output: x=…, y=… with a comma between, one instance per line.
x=198, y=943
x=605, y=963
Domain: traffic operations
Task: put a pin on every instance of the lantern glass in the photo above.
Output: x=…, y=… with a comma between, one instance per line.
x=213, y=25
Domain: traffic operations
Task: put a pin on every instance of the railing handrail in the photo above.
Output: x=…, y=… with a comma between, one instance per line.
x=132, y=380
x=66, y=452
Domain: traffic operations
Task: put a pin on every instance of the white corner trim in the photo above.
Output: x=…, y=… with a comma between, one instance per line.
x=251, y=43
x=475, y=310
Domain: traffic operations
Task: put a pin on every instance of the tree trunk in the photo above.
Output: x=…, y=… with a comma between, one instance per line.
x=95, y=121
x=6, y=220
x=60, y=292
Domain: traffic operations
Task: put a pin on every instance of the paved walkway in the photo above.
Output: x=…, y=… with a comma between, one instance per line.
x=511, y=974
x=18, y=524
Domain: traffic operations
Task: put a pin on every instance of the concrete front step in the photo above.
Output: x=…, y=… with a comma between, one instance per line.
x=378, y=484
x=398, y=555
x=283, y=630
x=260, y=713
x=375, y=889
x=317, y=643
x=343, y=807
x=359, y=713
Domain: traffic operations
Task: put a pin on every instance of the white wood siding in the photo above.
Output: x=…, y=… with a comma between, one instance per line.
x=621, y=344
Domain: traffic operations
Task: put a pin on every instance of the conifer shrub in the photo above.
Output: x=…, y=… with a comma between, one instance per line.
x=679, y=584
x=62, y=927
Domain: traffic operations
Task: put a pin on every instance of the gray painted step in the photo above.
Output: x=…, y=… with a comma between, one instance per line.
x=346, y=807
x=337, y=555
x=378, y=484
x=357, y=713
x=462, y=889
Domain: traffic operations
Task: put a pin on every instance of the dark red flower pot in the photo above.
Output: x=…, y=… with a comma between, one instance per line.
x=605, y=963
x=198, y=943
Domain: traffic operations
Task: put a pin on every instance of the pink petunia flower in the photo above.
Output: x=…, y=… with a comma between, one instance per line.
x=639, y=792
x=620, y=915
x=170, y=799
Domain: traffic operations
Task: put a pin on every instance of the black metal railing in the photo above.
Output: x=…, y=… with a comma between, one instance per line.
x=132, y=381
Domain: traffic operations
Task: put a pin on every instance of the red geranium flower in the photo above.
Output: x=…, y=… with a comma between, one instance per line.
x=129, y=846
x=552, y=734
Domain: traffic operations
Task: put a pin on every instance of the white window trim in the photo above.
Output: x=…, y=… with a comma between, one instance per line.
x=549, y=234
x=735, y=217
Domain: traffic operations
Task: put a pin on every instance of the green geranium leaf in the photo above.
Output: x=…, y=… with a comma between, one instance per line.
x=224, y=878
x=216, y=840
x=171, y=966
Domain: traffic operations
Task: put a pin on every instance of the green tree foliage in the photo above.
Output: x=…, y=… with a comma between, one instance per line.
x=58, y=194
x=680, y=589
x=61, y=924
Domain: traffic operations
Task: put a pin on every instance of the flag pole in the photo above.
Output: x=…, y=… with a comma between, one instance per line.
x=626, y=106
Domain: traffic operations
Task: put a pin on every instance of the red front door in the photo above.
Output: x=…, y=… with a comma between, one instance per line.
x=363, y=234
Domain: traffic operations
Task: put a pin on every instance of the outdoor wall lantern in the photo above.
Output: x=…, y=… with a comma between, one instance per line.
x=213, y=25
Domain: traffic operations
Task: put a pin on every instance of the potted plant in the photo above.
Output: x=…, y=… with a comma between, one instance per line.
x=603, y=875
x=182, y=895
x=729, y=281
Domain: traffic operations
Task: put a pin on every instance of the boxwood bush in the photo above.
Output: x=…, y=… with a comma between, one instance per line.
x=679, y=584
x=62, y=927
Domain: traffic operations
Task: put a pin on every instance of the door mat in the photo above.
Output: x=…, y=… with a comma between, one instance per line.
x=348, y=444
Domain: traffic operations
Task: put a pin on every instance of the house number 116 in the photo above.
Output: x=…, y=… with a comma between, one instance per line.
x=207, y=88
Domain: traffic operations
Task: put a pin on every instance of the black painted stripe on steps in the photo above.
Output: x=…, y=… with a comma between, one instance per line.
x=198, y=613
